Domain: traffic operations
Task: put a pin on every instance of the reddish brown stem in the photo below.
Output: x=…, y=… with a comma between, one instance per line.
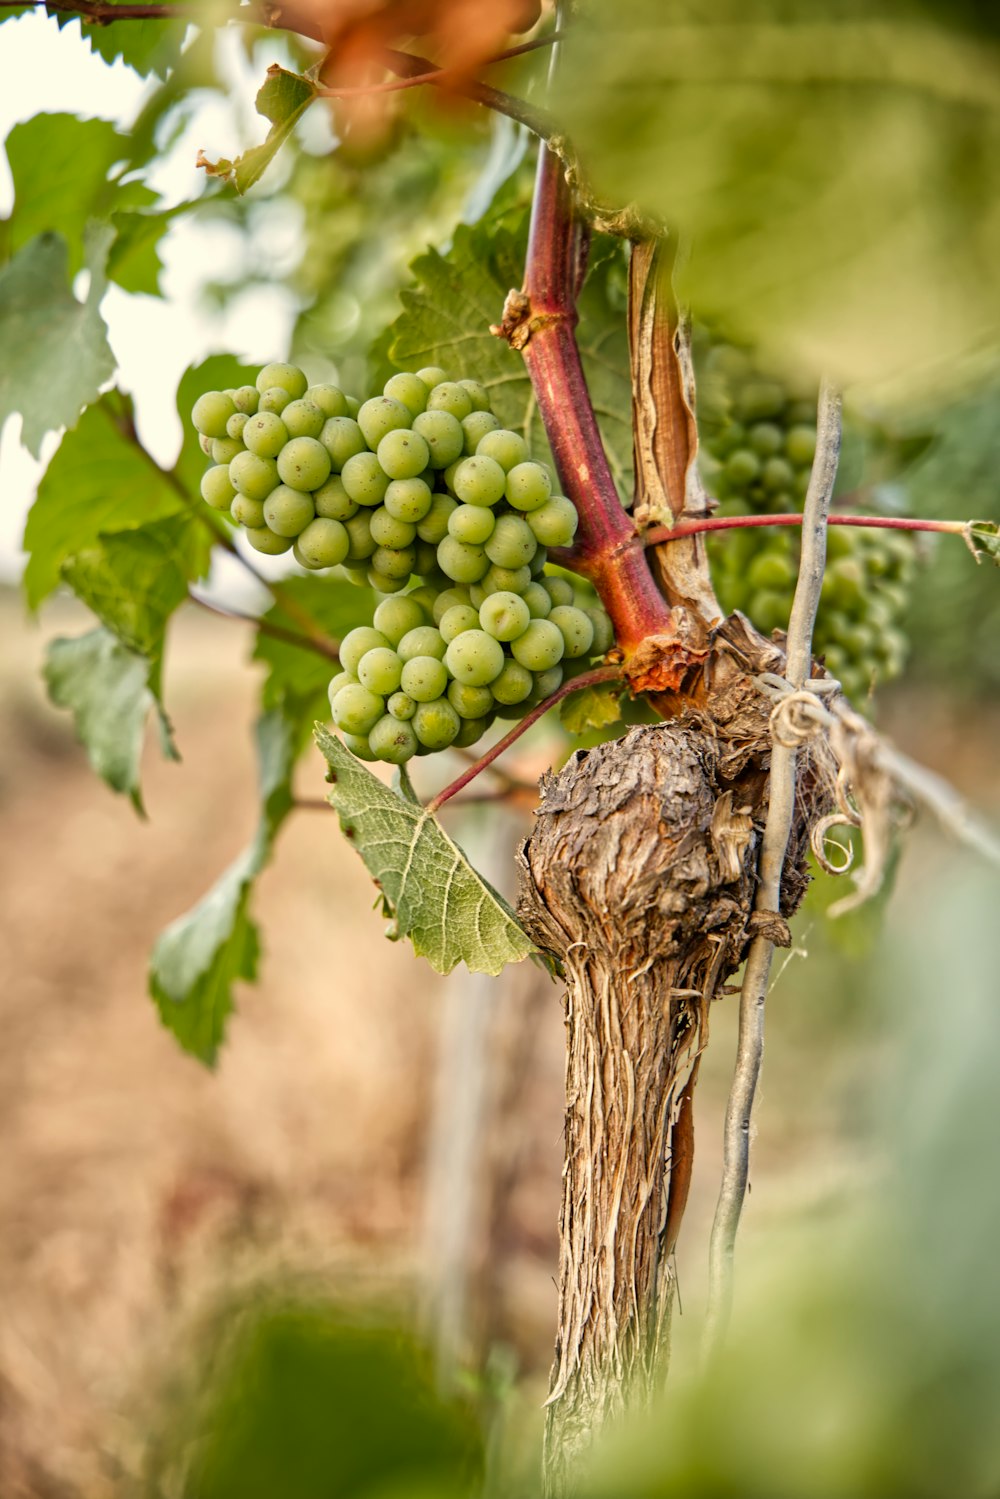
x=577, y=684
x=656, y=535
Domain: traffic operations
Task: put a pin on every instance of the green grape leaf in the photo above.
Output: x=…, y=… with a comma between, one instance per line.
x=437, y=899
x=148, y=46
x=593, y=708
x=98, y=481
x=108, y=689
x=282, y=99
x=297, y=676
x=134, y=260
x=200, y=956
x=56, y=354
x=217, y=372
x=983, y=540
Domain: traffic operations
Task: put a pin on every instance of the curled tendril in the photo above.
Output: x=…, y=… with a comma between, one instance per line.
x=820, y=842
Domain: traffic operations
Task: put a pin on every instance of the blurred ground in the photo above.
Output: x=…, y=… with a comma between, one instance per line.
x=135, y=1187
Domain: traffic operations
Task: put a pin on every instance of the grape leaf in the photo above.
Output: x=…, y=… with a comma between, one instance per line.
x=108, y=690
x=297, y=677
x=282, y=99
x=983, y=538
x=438, y=900
x=593, y=708
x=200, y=956
x=98, y=481
x=56, y=353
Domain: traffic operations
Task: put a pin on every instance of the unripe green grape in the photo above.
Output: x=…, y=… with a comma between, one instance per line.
x=431, y=375
x=478, y=395
x=447, y=600
x=332, y=501
x=776, y=475
x=766, y=439
x=540, y=647
x=381, y=415
x=409, y=390
x=769, y=610
x=456, y=620
x=479, y=481
x=507, y=579
x=265, y=434
x=538, y=561
x=329, y=398
x=449, y=396
x=394, y=562
x=505, y=616
x=274, y=400
x=382, y=583
x=342, y=679
x=554, y=525
x=355, y=644
x=343, y=439
x=288, y=512
x=422, y=640
x=844, y=583
x=770, y=569
x=537, y=599
x=471, y=523
x=255, y=477
x=359, y=535
x=389, y=532
x=379, y=670
x=425, y=596
x=800, y=445
x=512, y=543
x=353, y=406
x=364, y=479
x=393, y=740
x=408, y=500
x=559, y=590
x=462, y=561
x=234, y=427
x=359, y=746
x=304, y=464
x=759, y=399
x=547, y=682
x=436, y=724
x=216, y=487
x=742, y=467
x=205, y=443
x=401, y=706
x=528, y=486
x=303, y=418
x=323, y=543
x=449, y=473
x=604, y=630
x=211, y=412
x=396, y=617
x=434, y=526
x=475, y=658
x=576, y=628
x=246, y=399
x=471, y=731
x=246, y=512
x=286, y=377
x=505, y=447
x=424, y=678
x=263, y=539
x=403, y=454
x=513, y=685
x=470, y=702
x=476, y=427
x=426, y=565
x=443, y=435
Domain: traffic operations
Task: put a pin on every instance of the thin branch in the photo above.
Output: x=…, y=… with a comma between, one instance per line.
x=781, y=807
x=266, y=627
x=99, y=14
x=408, y=65
x=576, y=684
x=657, y=535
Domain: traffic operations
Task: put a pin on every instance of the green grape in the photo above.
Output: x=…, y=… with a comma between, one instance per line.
x=540, y=647
x=329, y=398
x=513, y=685
x=769, y=610
x=304, y=464
x=479, y=481
x=470, y=702
x=422, y=640
x=265, y=434
x=554, y=525
x=443, y=435
x=408, y=499
x=216, y=487
x=288, y=512
x=434, y=526
x=392, y=740
x=771, y=569
x=249, y=513
x=547, y=682
x=512, y=543
x=537, y=563
x=409, y=390
x=274, y=400
x=342, y=679
x=234, y=426
x=225, y=449
x=426, y=565
x=380, y=670
x=359, y=535
x=303, y=418
x=205, y=443
x=403, y=454
x=777, y=475
x=332, y=501
x=505, y=616
x=424, y=678
x=355, y=573
x=353, y=406
x=742, y=467
x=401, y=706
x=211, y=412
x=559, y=590
x=448, y=396
x=322, y=543
x=364, y=479
x=576, y=628
x=759, y=399
x=263, y=539
x=766, y=439
x=382, y=583
x=394, y=562
x=431, y=375
x=537, y=599
x=478, y=596
x=425, y=596
x=246, y=399
x=800, y=445
x=396, y=617
x=461, y=561
x=471, y=731
x=475, y=658
x=528, y=486
x=343, y=439
x=478, y=395
x=447, y=600
x=389, y=532
x=476, y=427
x=255, y=477
x=458, y=618
x=286, y=377
x=449, y=473
x=436, y=724
x=507, y=448
x=381, y=415
x=507, y=579
x=471, y=523
x=604, y=630
x=358, y=745
x=355, y=644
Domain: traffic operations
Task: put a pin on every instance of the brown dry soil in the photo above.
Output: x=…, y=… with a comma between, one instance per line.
x=135, y=1186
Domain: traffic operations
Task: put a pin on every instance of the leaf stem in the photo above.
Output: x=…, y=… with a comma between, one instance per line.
x=266, y=627
x=657, y=535
x=576, y=684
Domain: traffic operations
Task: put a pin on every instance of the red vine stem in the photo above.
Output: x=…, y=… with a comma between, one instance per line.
x=576, y=684
x=657, y=535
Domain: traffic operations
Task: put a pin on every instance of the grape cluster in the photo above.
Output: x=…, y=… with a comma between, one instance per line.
x=758, y=442
x=420, y=484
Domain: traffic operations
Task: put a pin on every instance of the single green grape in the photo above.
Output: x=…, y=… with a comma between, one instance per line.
x=777, y=475
x=342, y=679
x=540, y=647
x=475, y=426
x=329, y=398
x=403, y=454
x=355, y=644
x=393, y=740
x=265, y=434
x=547, y=682
x=471, y=731
x=288, y=511
x=759, y=399
x=512, y=543
x=390, y=532
x=397, y=616
x=478, y=395
x=381, y=415
x=408, y=499
x=422, y=640
x=742, y=467
x=359, y=535
x=443, y=435
x=475, y=658
x=274, y=400
x=409, y=390
x=211, y=412
x=263, y=539
x=322, y=543
x=380, y=670
x=449, y=396
x=507, y=579
x=255, y=477
x=246, y=399
x=513, y=685
x=343, y=439
x=225, y=449
x=401, y=706
x=304, y=464
x=446, y=600
x=216, y=487
x=604, y=630
x=576, y=628
x=554, y=525
x=332, y=500
x=479, y=481
x=431, y=375
x=462, y=561
x=436, y=724
x=424, y=678
x=286, y=376
x=506, y=447
x=426, y=565
x=470, y=702
x=538, y=561
x=434, y=526
x=359, y=746
x=771, y=569
x=472, y=524
x=353, y=406
x=382, y=583
x=303, y=418
x=249, y=513
x=425, y=596
x=505, y=616
x=537, y=599
x=234, y=426
x=559, y=590
x=766, y=439
x=396, y=563
x=205, y=443
x=364, y=479
x=458, y=618
x=528, y=486
x=800, y=445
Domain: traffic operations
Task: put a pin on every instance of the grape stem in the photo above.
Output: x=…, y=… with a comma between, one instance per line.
x=593, y=678
x=657, y=535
